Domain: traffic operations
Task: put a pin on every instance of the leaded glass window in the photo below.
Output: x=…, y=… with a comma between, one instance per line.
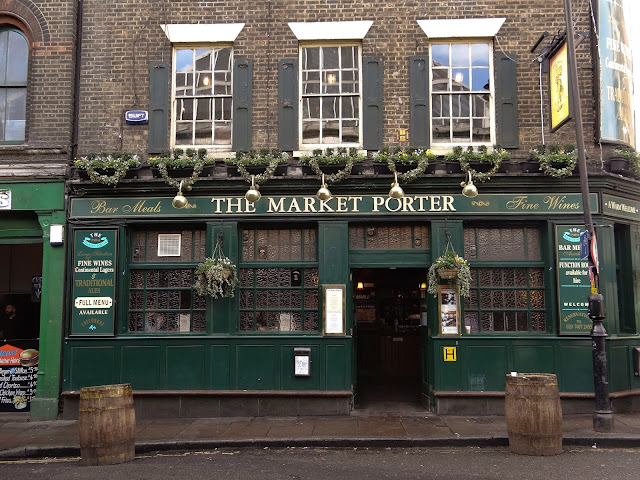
x=161, y=296
x=330, y=95
x=507, y=280
x=278, y=281
x=202, y=96
x=389, y=237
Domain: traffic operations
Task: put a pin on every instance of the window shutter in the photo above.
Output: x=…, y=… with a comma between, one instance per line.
x=158, y=106
x=242, y=77
x=506, y=101
x=419, y=101
x=288, y=104
x=372, y=101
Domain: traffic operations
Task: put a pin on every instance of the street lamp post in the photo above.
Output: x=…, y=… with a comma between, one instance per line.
x=602, y=415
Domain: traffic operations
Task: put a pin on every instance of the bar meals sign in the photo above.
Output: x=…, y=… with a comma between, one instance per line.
x=344, y=205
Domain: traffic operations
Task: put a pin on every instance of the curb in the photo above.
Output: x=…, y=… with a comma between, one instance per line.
x=69, y=451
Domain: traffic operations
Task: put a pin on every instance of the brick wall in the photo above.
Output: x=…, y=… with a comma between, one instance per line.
x=122, y=37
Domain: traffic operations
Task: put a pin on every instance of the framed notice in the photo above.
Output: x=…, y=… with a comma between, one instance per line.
x=333, y=309
x=559, y=88
x=93, y=286
x=449, y=303
x=574, y=284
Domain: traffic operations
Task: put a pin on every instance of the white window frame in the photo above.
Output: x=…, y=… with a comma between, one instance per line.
x=442, y=147
x=313, y=146
x=210, y=147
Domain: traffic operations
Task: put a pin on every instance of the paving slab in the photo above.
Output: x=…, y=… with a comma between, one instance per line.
x=336, y=427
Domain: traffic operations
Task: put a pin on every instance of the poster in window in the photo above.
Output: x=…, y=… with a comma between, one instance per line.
x=333, y=309
x=559, y=87
x=448, y=300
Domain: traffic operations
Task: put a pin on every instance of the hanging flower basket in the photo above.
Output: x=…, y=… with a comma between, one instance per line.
x=216, y=277
x=449, y=268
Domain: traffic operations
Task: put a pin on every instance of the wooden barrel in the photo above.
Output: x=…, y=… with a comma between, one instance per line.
x=534, y=414
x=107, y=425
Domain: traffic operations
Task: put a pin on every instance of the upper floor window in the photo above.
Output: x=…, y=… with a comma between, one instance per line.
x=462, y=93
x=202, y=96
x=330, y=85
x=14, y=62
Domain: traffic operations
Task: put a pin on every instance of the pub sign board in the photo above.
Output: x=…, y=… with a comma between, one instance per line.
x=94, y=282
x=574, y=284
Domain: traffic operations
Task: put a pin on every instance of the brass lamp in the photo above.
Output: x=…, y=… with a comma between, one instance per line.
x=396, y=190
x=252, y=195
x=179, y=201
x=468, y=188
x=323, y=192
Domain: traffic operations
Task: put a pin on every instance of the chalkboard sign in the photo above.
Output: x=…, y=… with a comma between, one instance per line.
x=94, y=282
x=574, y=285
x=18, y=377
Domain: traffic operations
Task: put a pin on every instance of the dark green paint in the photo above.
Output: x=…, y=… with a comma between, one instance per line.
x=46, y=196
x=620, y=207
x=288, y=104
x=419, y=135
x=372, y=69
x=220, y=367
x=481, y=377
x=300, y=383
x=141, y=366
x=526, y=357
x=242, y=104
x=256, y=367
x=185, y=366
x=158, y=106
x=507, y=100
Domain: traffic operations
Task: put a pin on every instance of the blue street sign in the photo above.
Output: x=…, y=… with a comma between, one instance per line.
x=584, y=245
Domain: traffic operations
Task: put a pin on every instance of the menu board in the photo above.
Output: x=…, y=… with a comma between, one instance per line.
x=574, y=285
x=333, y=303
x=18, y=377
x=94, y=282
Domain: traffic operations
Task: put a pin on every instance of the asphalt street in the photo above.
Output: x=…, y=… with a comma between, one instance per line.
x=348, y=463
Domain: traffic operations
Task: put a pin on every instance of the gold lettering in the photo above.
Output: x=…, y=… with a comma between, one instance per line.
x=377, y=203
x=407, y=204
x=309, y=204
x=276, y=207
x=294, y=206
x=342, y=204
x=447, y=204
x=100, y=206
x=355, y=201
x=435, y=204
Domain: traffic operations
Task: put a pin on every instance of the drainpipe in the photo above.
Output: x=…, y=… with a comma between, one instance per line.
x=76, y=83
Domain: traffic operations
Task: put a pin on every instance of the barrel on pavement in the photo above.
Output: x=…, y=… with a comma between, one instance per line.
x=107, y=425
x=533, y=413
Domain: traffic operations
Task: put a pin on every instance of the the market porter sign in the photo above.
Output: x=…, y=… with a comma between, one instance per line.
x=515, y=204
x=574, y=286
x=94, y=282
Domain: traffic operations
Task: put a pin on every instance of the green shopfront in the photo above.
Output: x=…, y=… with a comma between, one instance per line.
x=331, y=310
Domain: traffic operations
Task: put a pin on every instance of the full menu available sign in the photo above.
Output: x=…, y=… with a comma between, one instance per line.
x=18, y=377
x=94, y=282
x=574, y=285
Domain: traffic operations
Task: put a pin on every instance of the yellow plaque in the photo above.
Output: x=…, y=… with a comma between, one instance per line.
x=449, y=354
x=559, y=86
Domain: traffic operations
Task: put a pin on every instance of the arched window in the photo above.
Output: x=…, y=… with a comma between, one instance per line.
x=14, y=61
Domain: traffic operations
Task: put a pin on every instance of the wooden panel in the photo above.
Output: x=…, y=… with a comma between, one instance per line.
x=399, y=356
x=141, y=366
x=185, y=367
x=533, y=359
x=337, y=367
x=619, y=376
x=220, y=367
x=256, y=367
x=576, y=368
x=91, y=366
x=447, y=374
x=486, y=367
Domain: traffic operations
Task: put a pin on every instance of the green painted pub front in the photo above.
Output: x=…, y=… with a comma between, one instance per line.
x=134, y=317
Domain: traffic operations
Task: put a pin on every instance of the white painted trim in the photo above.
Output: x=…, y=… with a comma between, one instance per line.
x=461, y=27
x=202, y=33
x=330, y=30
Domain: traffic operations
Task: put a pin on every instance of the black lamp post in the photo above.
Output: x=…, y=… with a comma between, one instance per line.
x=602, y=415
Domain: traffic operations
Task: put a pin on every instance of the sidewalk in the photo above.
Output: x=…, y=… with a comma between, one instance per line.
x=21, y=438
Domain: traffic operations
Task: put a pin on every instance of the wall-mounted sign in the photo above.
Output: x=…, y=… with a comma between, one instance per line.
x=620, y=207
x=5, y=199
x=449, y=310
x=574, y=284
x=333, y=309
x=94, y=282
x=137, y=117
x=559, y=87
x=18, y=377
x=616, y=74
x=449, y=354
x=506, y=204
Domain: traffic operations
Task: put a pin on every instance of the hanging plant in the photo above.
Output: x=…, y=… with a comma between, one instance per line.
x=464, y=156
x=329, y=157
x=178, y=158
x=552, y=154
x=217, y=276
x=119, y=162
x=632, y=156
x=408, y=156
x=270, y=158
x=450, y=268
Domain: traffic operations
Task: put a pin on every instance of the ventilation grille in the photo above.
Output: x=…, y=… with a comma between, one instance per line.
x=169, y=244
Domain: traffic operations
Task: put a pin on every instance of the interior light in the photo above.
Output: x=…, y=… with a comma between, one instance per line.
x=360, y=286
x=331, y=78
x=458, y=78
x=423, y=286
x=206, y=81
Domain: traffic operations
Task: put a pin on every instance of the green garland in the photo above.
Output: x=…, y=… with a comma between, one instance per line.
x=269, y=158
x=178, y=159
x=631, y=155
x=410, y=156
x=466, y=156
x=546, y=155
x=120, y=162
x=330, y=158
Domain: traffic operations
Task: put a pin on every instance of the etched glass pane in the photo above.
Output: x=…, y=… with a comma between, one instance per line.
x=509, y=299
x=263, y=299
x=200, y=302
x=311, y=321
x=521, y=298
x=136, y=279
x=485, y=277
x=138, y=250
x=471, y=301
x=485, y=299
x=510, y=321
x=538, y=323
x=198, y=324
x=487, y=322
x=356, y=237
x=310, y=299
x=470, y=243
x=309, y=238
x=246, y=321
x=537, y=299
x=520, y=277
x=136, y=322
x=246, y=277
x=522, y=321
x=296, y=322
x=311, y=277
x=533, y=244
x=536, y=277
x=246, y=299
x=471, y=319
x=498, y=321
x=136, y=300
